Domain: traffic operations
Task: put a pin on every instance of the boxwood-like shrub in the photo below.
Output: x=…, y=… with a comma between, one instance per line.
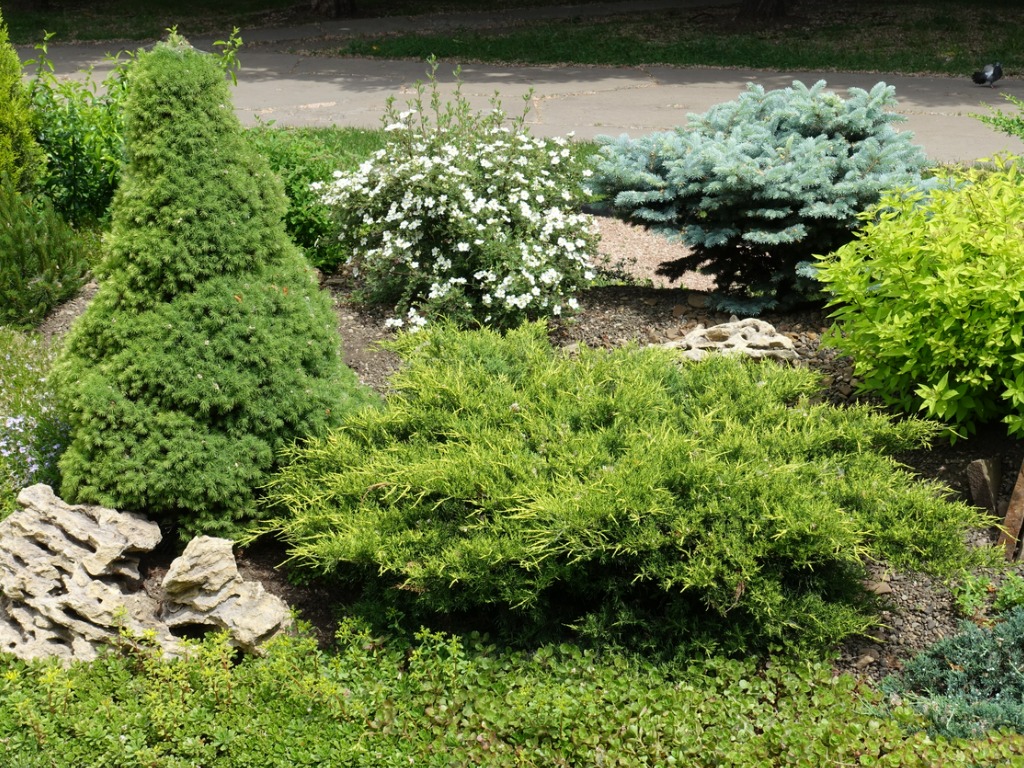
x=927, y=298
x=615, y=491
x=209, y=345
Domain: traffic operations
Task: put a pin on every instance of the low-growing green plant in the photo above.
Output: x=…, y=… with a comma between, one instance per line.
x=43, y=261
x=465, y=216
x=759, y=185
x=971, y=683
x=623, y=493
x=79, y=124
x=1011, y=124
x=21, y=159
x=1009, y=593
x=32, y=434
x=926, y=299
x=301, y=157
x=972, y=594
x=208, y=346
x=442, y=701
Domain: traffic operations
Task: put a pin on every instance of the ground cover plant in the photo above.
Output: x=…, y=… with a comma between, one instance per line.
x=32, y=433
x=464, y=216
x=757, y=186
x=617, y=492
x=208, y=346
x=926, y=299
x=439, y=700
x=969, y=684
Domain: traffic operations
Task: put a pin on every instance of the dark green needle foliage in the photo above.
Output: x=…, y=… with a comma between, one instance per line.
x=209, y=345
x=624, y=493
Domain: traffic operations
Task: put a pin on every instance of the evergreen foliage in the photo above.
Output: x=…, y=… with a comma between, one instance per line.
x=42, y=260
x=971, y=683
x=927, y=298
x=209, y=345
x=21, y=159
x=759, y=185
x=620, y=492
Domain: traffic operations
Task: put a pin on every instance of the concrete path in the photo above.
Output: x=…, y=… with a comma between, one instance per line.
x=283, y=81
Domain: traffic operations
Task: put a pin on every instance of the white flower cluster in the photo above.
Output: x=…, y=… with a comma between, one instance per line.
x=479, y=228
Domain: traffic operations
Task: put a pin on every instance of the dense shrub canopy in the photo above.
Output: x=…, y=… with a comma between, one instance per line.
x=615, y=490
x=21, y=158
x=927, y=299
x=758, y=185
x=209, y=345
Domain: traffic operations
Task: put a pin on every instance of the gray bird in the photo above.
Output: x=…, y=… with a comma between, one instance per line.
x=988, y=74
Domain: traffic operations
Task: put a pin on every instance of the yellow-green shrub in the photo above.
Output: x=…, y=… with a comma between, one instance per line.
x=929, y=298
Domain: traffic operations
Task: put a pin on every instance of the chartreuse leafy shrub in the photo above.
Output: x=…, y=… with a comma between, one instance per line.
x=757, y=186
x=79, y=124
x=43, y=261
x=1012, y=124
x=302, y=157
x=465, y=216
x=445, y=701
x=927, y=299
x=32, y=433
x=619, y=492
x=971, y=683
x=21, y=159
x=208, y=346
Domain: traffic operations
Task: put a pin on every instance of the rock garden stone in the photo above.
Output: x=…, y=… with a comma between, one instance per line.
x=70, y=583
x=752, y=337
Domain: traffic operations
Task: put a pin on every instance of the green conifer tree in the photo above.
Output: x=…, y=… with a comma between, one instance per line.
x=209, y=345
x=20, y=155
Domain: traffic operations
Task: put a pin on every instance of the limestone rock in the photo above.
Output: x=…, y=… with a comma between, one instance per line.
x=70, y=581
x=752, y=337
x=203, y=587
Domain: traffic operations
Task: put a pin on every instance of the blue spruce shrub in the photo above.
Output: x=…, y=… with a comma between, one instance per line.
x=758, y=186
x=209, y=346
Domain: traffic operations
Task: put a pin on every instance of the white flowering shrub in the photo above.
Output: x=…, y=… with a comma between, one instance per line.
x=464, y=215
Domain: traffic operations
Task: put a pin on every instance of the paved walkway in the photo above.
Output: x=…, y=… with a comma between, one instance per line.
x=281, y=81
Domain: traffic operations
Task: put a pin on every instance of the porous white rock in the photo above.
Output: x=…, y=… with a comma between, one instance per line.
x=751, y=337
x=70, y=583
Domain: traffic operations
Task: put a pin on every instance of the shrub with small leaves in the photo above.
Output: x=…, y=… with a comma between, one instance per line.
x=465, y=216
x=756, y=187
x=43, y=261
x=1009, y=123
x=623, y=492
x=209, y=345
x=927, y=299
x=21, y=159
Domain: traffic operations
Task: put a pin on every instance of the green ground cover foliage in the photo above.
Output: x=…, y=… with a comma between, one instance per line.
x=757, y=186
x=969, y=684
x=618, y=492
x=442, y=701
x=927, y=299
x=209, y=345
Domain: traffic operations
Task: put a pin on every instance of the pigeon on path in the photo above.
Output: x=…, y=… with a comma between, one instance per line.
x=988, y=74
